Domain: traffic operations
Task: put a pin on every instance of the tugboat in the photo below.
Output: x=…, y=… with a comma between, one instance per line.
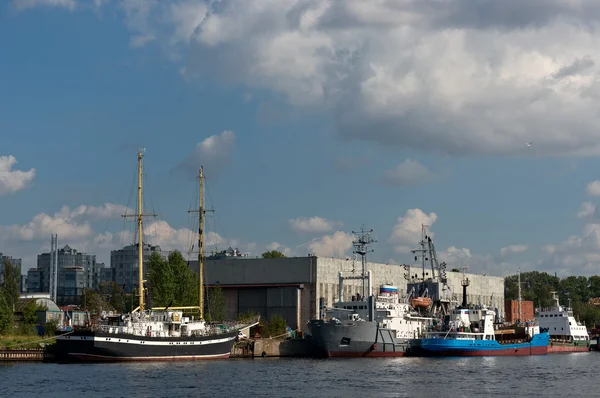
x=469, y=331
x=566, y=334
x=156, y=334
x=375, y=326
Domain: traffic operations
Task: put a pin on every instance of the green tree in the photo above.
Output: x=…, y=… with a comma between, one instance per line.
x=114, y=295
x=161, y=280
x=185, y=281
x=11, y=280
x=275, y=327
x=273, y=254
x=216, y=304
x=30, y=311
x=6, y=315
x=454, y=270
x=94, y=301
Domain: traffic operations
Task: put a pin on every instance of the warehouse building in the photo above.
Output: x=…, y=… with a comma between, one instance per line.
x=291, y=287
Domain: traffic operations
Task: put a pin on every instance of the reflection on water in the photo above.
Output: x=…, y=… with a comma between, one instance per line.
x=559, y=375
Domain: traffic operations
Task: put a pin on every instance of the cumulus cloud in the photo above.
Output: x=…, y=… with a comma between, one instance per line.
x=593, y=188
x=408, y=172
x=513, y=249
x=13, y=180
x=213, y=153
x=281, y=248
x=452, y=76
x=312, y=224
x=67, y=223
x=407, y=231
x=336, y=245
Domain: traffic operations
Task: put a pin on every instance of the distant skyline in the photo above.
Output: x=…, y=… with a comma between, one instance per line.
x=310, y=119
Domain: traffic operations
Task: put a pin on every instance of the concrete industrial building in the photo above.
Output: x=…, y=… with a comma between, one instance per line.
x=291, y=287
x=76, y=271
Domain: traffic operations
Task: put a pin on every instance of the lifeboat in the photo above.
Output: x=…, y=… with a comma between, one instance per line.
x=421, y=302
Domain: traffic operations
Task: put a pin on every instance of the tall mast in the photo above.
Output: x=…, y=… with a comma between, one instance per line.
x=201, y=245
x=519, y=283
x=201, y=212
x=140, y=222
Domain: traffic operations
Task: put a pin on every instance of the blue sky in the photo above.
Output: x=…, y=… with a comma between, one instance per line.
x=310, y=119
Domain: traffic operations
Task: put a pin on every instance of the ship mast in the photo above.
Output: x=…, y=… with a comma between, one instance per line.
x=201, y=212
x=201, y=245
x=519, y=283
x=140, y=224
x=361, y=247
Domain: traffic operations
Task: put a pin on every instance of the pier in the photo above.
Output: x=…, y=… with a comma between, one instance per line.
x=26, y=355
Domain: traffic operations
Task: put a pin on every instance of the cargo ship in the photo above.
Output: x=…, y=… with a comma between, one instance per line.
x=470, y=331
x=369, y=325
x=154, y=334
x=566, y=333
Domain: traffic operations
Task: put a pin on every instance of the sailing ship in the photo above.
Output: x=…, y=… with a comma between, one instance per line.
x=566, y=334
x=155, y=334
x=469, y=331
x=367, y=325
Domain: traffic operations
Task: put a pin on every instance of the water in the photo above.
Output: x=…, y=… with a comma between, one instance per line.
x=558, y=375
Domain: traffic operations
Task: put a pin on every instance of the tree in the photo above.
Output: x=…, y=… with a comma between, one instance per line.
x=161, y=280
x=216, y=304
x=114, y=294
x=185, y=281
x=273, y=254
x=454, y=270
x=6, y=315
x=11, y=280
x=94, y=301
x=172, y=281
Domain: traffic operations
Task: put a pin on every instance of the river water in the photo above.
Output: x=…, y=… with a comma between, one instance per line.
x=557, y=375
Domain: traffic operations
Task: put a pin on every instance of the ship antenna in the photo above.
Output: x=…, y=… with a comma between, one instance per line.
x=140, y=223
x=361, y=247
x=201, y=212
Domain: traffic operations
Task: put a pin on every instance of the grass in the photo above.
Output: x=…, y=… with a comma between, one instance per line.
x=27, y=341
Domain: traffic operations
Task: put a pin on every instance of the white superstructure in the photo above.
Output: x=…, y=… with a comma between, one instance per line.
x=560, y=323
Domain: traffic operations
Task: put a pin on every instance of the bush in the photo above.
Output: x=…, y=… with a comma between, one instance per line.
x=277, y=326
x=50, y=328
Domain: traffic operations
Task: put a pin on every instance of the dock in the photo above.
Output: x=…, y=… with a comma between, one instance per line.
x=265, y=348
x=26, y=355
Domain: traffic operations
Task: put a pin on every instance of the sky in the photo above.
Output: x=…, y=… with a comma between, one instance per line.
x=310, y=119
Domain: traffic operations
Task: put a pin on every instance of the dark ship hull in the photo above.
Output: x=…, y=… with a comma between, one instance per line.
x=100, y=347
x=356, y=339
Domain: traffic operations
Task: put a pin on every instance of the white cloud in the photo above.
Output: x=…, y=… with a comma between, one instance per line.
x=213, y=153
x=447, y=76
x=407, y=231
x=408, y=172
x=587, y=209
x=21, y=5
x=312, y=224
x=281, y=248
x=13, y=180
x=513, y=249
x=593, y=188
x=336, y=245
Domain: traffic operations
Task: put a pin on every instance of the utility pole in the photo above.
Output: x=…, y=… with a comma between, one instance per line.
x=519, y=283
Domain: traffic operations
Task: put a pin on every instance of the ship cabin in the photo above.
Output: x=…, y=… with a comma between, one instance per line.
x=560, y=323
x=385, y=305
x=153, y=324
